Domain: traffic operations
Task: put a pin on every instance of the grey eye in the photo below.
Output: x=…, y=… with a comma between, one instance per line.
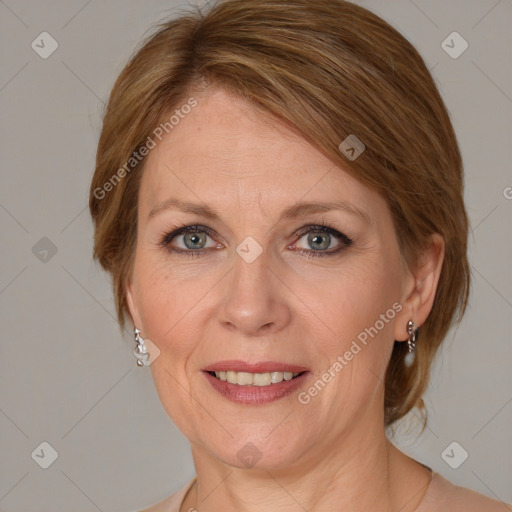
x=319, y=240
x=195, y=240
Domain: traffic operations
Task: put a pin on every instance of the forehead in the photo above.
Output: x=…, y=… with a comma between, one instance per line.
x=229, y=154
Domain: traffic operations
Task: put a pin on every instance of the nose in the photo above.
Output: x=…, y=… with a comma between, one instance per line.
x=256, y=299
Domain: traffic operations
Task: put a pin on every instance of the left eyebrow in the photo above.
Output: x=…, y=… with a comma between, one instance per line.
x=297, y=210
x=309, y=208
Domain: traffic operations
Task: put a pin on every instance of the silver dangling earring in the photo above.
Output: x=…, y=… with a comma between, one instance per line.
x=412, y=330
x=140, y=351
x=413, y=335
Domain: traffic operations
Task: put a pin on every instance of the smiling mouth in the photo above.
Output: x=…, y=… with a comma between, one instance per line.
x=254, y=379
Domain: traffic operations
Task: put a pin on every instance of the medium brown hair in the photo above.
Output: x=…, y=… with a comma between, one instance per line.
x=327, y=68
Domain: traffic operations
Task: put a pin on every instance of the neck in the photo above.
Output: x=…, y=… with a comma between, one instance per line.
x=362, y=472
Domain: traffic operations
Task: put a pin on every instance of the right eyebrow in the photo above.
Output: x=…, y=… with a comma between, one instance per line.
x=187, y=207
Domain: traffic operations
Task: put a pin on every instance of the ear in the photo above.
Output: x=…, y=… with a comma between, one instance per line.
x=420, y=287
x=132, y=305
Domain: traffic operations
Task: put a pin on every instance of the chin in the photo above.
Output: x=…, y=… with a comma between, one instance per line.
x=263, y=452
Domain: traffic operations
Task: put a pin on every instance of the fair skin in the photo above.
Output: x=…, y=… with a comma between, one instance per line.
x=331, y=453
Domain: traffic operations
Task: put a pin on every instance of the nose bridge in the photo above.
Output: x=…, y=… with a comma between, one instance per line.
x=253, y=299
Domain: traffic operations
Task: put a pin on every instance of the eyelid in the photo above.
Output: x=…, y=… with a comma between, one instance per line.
x=321, y=226
x=181, y=230
x=325, y=227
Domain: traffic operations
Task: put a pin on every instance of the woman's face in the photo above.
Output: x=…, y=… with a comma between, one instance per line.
x=259, y=284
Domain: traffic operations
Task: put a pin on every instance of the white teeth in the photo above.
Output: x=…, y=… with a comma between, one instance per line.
x=261, y=379
x=255, y=379
x=244, y=378
x=277, y=377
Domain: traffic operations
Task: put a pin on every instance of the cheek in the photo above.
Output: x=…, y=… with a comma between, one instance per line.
x=357, y=309
x=348, y=301
x=166, y=301
x=165, y=294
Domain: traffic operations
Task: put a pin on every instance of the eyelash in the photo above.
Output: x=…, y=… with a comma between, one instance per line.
x=322, y=226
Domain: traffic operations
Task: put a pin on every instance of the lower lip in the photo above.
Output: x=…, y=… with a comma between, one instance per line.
x=255, y=395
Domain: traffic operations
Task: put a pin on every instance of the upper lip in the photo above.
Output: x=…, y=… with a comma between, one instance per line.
x=253, y=367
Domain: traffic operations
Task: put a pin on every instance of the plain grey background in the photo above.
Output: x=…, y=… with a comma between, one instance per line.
x=68, y=378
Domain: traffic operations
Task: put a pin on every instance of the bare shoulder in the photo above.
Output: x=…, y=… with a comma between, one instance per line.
x=161, y=507
x=466, y=500
x=443, y=495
